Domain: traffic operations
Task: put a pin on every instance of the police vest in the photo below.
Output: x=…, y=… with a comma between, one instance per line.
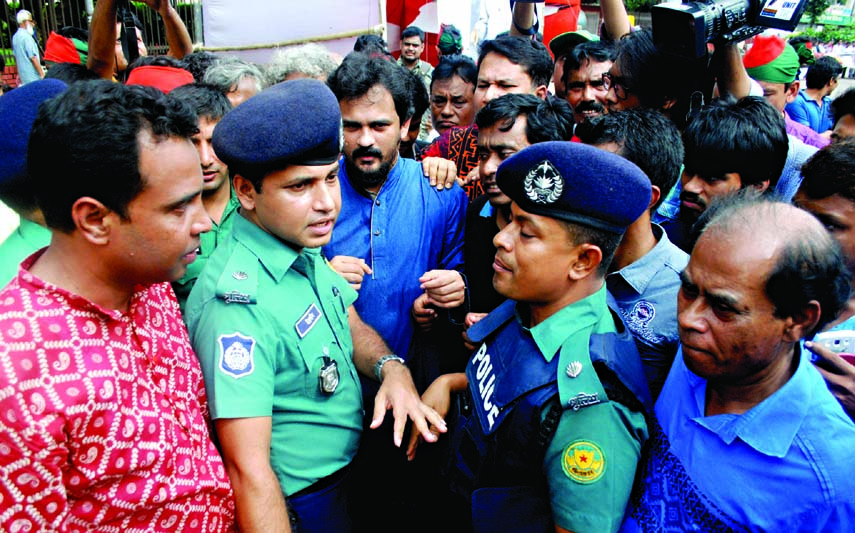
x=505, y=419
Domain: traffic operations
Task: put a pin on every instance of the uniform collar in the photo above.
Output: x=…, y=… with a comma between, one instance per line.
x=550, y=334
x=276, y=256
x=770, y=426
x=32, y=233
x=639, y=274
x=231, y=207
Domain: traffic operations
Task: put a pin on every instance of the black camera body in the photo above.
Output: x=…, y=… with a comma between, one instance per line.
x=685, y=29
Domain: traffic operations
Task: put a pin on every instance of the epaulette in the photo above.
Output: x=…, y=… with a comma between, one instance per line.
x=238, y=283
x=492, y=322
x=625, y=379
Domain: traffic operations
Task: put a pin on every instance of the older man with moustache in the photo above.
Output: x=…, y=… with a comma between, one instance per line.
x=742, y=406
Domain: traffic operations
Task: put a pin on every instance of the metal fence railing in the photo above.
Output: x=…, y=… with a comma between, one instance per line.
x=50, y=15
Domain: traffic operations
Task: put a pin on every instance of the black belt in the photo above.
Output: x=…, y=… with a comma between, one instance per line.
x=323, y=483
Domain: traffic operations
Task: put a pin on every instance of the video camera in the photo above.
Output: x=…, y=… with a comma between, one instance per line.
x=685, y=29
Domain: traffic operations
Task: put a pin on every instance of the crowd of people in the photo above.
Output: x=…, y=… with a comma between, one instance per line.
x=580, y=286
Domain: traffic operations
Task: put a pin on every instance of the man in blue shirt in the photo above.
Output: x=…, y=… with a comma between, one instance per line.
x=747, y=436
x=399, y=242
x=812, y=105
x=644, y=275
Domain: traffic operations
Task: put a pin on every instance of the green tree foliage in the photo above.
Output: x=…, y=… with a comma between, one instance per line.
x=640, y=5
x=815, y=9
x=830, y=34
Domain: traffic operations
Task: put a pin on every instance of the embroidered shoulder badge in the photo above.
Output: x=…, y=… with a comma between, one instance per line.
x=583, y=461
x=543, y=184
x=642, y=312
x=236, y=355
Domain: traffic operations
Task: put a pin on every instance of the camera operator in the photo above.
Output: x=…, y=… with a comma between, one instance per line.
x=106, y=56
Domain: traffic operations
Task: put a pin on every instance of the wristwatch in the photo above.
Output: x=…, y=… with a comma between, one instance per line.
x=378, y=366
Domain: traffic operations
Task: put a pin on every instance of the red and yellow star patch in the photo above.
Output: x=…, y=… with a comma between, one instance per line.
x=583, y=461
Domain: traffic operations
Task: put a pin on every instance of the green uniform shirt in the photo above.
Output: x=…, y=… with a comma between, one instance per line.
x=20, y=244
x=591, y=461
x=210, y=241
x=262, y=318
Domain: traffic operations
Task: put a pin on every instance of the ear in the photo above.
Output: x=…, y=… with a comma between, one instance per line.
x=405, y=128
x=94, y=220
x=798, y=326
x=762, y=186
x=793, y=91
x=655, y=194
x=245, y=191
x=541, y=92
x=587, y=261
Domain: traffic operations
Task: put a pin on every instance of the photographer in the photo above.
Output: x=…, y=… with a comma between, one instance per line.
x=106, y=56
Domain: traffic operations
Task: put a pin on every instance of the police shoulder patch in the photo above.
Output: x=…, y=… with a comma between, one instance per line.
x=583, y=461
x=236, y=355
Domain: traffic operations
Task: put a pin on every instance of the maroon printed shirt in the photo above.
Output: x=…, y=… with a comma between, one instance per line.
x=103, y=416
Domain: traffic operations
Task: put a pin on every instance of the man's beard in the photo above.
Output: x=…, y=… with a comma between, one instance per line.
x=367, y=179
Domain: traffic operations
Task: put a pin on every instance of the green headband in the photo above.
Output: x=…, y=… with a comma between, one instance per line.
x=782, y=69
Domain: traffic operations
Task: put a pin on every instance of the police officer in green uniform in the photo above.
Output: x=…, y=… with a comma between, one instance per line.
x=210, y=105
x=17, y=114
x=548, y=426
x=274, y=327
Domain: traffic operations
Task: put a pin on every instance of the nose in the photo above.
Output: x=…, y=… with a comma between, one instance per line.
x=206, y=154
x=446, y=111
x=366, y=137
x=502, y=240
x=201, y=221
x=587, y=93
x=692, y=184
x=690, y=314
x=490, y=166
x=611, y=97
x=324, y=197
x=492, y=92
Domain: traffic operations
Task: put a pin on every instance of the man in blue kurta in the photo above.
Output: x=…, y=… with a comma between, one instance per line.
x=399, y=241
x=748, y=437
x=400, y=244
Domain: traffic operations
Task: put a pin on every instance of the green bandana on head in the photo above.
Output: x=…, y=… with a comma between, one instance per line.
x=771, y=60
x=450, y=41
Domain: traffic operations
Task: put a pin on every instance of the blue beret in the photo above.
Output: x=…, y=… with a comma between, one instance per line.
x=17, y=114
x=576, y=183
x=296, y=122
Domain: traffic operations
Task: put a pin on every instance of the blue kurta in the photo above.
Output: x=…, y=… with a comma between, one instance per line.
x=408, y=229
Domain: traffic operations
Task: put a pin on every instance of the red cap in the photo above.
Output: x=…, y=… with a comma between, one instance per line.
x=163, y=78
x=59, y=49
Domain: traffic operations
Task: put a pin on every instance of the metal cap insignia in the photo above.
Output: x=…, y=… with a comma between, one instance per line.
x=544, y=184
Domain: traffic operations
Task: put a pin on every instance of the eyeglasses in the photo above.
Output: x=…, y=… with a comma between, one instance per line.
x=618, y=83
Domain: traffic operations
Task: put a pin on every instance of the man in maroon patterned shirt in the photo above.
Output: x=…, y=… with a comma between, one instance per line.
x=102, y=405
